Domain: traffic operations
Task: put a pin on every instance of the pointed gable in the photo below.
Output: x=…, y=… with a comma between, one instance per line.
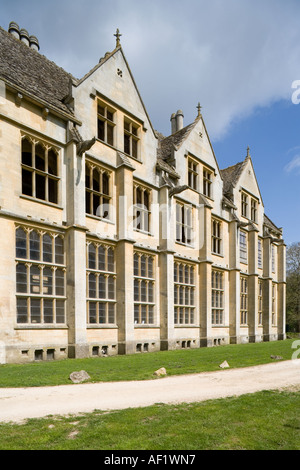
x=112, y=78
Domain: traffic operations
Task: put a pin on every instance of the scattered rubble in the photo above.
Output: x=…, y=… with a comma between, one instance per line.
x=79, y=377
x=224, y=365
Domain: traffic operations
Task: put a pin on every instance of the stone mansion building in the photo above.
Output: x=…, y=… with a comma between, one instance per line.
x=114, y=238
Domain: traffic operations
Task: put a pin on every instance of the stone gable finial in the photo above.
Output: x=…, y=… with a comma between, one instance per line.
x=199, y=107
x=117, y=35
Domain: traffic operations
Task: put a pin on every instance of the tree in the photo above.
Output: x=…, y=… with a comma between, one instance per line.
x=293, y=287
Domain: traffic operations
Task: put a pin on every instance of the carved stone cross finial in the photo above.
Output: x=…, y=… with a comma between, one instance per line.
x=117, y=35
x=199, y=107
x=248, y=151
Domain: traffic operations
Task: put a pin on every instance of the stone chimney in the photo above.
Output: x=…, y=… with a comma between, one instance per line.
x=173, y=123
x=14, y=29
x=34, y=43
x=23, y=36
x=177, y=121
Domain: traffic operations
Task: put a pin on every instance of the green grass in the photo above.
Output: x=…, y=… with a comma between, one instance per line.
x=142, y=366
x=262, y=421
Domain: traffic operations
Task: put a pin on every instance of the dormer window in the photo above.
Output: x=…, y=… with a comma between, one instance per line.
x=253, y=210
x=106, y=123
x=192, y=174
x=131, y=139
x=207, y=182
x=244, y=205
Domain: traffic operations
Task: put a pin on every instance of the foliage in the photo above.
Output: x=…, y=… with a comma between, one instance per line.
x=293, y=287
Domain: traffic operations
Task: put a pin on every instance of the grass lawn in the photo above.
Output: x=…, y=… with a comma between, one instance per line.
x=142, y=366
x=262, y=421
x=267, y=420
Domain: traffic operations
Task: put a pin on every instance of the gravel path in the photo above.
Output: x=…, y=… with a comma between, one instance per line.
x=19, y=404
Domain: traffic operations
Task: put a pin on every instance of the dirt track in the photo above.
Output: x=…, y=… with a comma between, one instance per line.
x=18, y=404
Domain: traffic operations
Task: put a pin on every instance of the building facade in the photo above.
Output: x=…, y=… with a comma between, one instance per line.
x=114, y=238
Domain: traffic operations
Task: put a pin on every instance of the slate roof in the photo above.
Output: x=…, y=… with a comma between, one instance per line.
x=167, y=144
x=33, y=73
x=268, y=222
x=231, y=176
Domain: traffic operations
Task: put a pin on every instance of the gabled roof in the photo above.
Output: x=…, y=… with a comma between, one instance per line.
x=268, y=222
x=102, y=61
x=167, y=144
x=33, y=73
x=231, y=176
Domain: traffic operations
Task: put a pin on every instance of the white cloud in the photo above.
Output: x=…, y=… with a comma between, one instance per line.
x=293, y=165
x=233, y=56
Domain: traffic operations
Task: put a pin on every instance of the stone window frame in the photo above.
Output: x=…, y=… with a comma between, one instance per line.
x=254, y=210
x=48, y=187
x=184, y=223
x=193, y=174
x=216, y=236
x=144, y=266
x=273, y=258
x=217, y=297
x=100, y=284
x=142, y=200
x=207, y=182
x=274, y=303
x=40, y=277
x=184, y=293
x=244, y=204
x=260, y=302
x=131, y=132
x=244, y=290
x=260, y=253
x=107, y=117
x=243, y=244
x=98, y=199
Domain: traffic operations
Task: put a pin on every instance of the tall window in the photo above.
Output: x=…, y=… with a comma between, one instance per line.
x=207, y=182
x=243, y=247
x=184, y=224
x=40, y=277
x=131, y=139
x=97, y=191
x=106, y=123
x=260, y=302
x=273, y=258
x=217, y=301
x=244, y=198
x=244, y=301
x=216, y=237
x=253, y=210
x=260, y=254
x=192, y=174
x=101, y=284
x=39, y=171
x=274, y=301
x=144, y=283
x=184, y=293
x=141, y=209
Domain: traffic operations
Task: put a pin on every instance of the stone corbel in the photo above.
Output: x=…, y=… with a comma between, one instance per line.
x=18, y=99
x=177, y=190
x=85, y=146
x=45, y=113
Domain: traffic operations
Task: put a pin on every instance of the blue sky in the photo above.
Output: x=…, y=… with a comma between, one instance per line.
x=239, y=58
